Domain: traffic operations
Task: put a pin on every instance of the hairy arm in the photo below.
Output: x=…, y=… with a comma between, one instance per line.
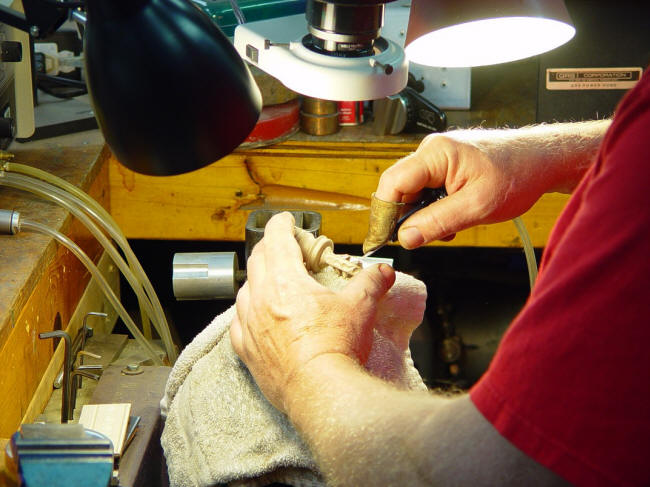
x=556, y=154
x=364, y=431
x=304, y=345
x=490, y=175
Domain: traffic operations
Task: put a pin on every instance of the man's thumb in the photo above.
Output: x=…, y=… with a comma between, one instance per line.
x=438, y=220
x=372, y=283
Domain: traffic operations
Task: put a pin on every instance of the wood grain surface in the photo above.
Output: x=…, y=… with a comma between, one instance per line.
x=40, y=282
x=333, y=178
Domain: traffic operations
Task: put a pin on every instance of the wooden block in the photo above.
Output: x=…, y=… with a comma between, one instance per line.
x=109, y=419
x=25, y=257
x=3, y=444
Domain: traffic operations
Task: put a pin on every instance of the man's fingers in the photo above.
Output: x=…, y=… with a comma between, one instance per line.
x=413, y=173
x=281, y=250
x=256, y=265
x=408, y=175
x=438, y=221
x=242, y=302
x=239, y=321
x=371, y=283
x=236, y=336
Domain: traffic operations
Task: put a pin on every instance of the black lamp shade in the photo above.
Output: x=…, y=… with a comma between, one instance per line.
x=170, y=92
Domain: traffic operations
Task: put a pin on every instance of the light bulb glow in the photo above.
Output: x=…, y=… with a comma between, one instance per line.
x=488, y=41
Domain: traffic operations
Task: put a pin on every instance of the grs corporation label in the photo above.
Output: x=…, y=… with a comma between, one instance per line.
x=592, y=78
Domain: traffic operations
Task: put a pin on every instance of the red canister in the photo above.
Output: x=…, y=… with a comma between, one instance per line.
x=350, y=112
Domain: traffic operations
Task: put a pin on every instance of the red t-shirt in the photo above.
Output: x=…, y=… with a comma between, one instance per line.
x=570, y=383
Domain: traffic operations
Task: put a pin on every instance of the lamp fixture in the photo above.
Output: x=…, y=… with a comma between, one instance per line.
x=336, y=51
x=171, y=94
x=169, y=91
x=455, y=33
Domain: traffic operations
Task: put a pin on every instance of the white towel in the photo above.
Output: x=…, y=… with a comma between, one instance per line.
x=220, y=429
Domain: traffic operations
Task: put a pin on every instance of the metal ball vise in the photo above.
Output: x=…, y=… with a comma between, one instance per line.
x=216, y=275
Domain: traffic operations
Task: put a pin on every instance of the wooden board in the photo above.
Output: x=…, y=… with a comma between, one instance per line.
x=333, y=178
x=110, y=419
x=7, y=478
x=332, y=174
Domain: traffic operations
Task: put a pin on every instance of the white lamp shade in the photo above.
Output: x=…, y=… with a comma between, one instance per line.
x=476, y=33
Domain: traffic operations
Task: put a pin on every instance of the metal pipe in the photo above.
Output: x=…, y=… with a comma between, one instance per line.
x=85, y=373
x=75, y=377
x=86, y=332
x=9, y=222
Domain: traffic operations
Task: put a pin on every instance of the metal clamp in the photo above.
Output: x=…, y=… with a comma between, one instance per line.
x=309, y=221
x=60, y=455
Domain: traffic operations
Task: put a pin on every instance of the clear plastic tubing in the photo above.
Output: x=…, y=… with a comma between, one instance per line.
x=105, y=220
x=66, y=200
x=94, y=271
x=529, y=251
x=72, y=204
x=54, y=194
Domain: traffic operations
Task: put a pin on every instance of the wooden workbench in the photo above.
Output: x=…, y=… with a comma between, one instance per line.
x=334, y=175
x=41, y=284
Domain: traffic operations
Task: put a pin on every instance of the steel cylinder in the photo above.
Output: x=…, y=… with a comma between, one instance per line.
x=205, y=275
x=344, y=29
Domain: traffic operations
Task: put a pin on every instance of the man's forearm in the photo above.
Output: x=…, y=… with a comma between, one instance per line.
x=359, y=426
x=366, y=432
x=556, y=155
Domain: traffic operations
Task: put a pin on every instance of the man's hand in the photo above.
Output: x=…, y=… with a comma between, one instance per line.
x=490, y=175
x=303, y=343
x=481, y=189
x=285, y=318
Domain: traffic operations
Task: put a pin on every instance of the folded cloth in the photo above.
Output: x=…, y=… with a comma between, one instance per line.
x=220, y=429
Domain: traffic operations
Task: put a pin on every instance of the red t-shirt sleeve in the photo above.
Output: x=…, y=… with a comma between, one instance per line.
x=570, y=382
